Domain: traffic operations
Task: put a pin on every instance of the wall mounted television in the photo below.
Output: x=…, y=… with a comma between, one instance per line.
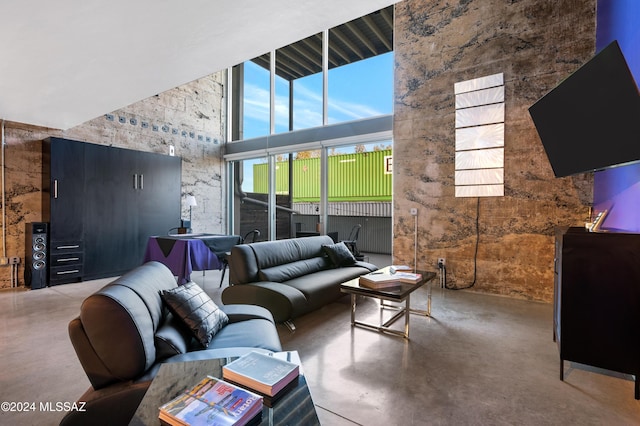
x=591, y=120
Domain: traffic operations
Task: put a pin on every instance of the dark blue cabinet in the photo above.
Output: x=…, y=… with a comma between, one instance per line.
x=114, y=200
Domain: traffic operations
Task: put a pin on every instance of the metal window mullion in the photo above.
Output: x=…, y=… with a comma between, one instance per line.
x=228, y=136
x=230, y=165
x=291, y=105
x=324, y=196
x=271, y=209
x=272, y=92
x=325, y=77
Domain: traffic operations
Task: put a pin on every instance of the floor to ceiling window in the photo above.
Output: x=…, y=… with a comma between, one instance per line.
x=359, y=191
x=250, y=206
x=308, y=111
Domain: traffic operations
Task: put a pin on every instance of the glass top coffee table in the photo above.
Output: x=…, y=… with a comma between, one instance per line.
x=400, y=294
x=294, y=407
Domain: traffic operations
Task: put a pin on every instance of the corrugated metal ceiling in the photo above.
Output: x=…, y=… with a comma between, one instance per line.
x=359, y=39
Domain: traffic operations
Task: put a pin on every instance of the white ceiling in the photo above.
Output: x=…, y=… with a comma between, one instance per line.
x=66, y=62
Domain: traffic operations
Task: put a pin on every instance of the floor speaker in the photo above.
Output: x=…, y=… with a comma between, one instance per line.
x=36, y=268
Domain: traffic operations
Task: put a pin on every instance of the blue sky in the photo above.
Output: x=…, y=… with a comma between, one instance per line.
x=358, y=90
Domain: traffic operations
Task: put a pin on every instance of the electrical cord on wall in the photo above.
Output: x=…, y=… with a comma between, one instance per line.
x=475, y=255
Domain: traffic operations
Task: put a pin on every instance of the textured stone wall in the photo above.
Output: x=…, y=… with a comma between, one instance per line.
x=190, y=117
x=536, y=44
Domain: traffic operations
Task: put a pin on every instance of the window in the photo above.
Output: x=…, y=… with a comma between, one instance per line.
x=368, y=95
x=256, y=102
x=250, y=200
x=329, y=111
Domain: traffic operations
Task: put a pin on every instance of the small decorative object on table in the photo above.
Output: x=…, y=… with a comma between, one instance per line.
x=268, y=375
x=400, y=268
x=212, y=402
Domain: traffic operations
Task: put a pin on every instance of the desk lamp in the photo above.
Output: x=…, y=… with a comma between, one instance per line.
x=191, y=202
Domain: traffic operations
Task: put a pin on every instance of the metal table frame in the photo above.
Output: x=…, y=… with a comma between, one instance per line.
x=401, y=294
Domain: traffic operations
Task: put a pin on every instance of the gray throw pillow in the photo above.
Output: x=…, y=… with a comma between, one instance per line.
x=196, y=310
x=339, y=254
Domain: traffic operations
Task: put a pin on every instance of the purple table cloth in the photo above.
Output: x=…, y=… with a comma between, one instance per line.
x=188, y=254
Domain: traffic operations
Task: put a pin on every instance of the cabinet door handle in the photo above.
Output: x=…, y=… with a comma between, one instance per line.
x=141, y=185
x=67, y=247
x=55, y=188
x=135, y=181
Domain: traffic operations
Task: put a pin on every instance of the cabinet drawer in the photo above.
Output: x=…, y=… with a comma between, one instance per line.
x=65, y=274
x=56, y=247
x=66, y=259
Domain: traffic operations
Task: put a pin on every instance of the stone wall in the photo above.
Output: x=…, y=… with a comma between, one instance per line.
x=536, y=44
x=190, y=117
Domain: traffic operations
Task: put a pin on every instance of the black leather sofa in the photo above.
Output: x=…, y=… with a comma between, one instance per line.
x=290, y=277
x=125, y=331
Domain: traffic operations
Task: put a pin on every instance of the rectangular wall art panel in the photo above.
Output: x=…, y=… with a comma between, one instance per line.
x=479, y=124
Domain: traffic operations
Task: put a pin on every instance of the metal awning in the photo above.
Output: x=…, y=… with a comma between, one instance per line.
x=362, y=38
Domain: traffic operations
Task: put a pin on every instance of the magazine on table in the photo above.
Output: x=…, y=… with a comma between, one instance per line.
x=212, y=402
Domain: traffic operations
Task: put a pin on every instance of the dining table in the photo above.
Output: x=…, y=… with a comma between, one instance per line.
x=185, y=253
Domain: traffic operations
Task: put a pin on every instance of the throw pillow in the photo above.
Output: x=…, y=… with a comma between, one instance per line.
x=339, y=254
x=196, y=310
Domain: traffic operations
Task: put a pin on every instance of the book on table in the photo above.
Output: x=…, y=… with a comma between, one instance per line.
x=384, y=280
x=263, y=373
x=212, y=402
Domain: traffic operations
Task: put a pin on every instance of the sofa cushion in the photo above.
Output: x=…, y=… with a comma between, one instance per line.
x=287, y=271
x=172, y=338
x=339, y=254
x=196, y=309
x=274, y=253
x=309, y=247
x=257, y=333
x=323, y=287
x=118, y=324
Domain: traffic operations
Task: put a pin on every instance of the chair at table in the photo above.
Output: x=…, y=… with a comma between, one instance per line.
x=225, y=263
x=351, y=242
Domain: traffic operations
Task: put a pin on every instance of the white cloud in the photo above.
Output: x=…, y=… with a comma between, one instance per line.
x=307, y=107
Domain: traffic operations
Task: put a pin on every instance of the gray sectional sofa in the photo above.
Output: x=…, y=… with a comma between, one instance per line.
x=290, y=277
x=126, y=330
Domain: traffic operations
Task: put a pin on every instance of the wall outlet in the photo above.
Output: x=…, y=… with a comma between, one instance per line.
x=441, y=262
x=413, y=211
x=14, y=260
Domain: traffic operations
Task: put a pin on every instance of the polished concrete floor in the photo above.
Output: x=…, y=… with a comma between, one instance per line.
x=479, y=360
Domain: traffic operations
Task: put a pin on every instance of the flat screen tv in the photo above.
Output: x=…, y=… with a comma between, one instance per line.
x=591, y=120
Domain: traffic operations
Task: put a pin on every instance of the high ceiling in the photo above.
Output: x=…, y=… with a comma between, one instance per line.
x=361, y=38
x=67, y=62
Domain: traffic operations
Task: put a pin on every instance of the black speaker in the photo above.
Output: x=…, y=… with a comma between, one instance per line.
x=36, y=268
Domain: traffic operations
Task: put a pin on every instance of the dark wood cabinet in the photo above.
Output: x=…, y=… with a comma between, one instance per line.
x=120, y=198
x=63, y=180
x=111, y=214
x=597, y=300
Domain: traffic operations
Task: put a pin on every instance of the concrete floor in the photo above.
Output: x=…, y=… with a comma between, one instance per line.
x=479, y=360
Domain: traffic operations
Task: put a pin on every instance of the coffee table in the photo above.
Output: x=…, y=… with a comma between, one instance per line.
x=401, y=293
x=294, y=407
